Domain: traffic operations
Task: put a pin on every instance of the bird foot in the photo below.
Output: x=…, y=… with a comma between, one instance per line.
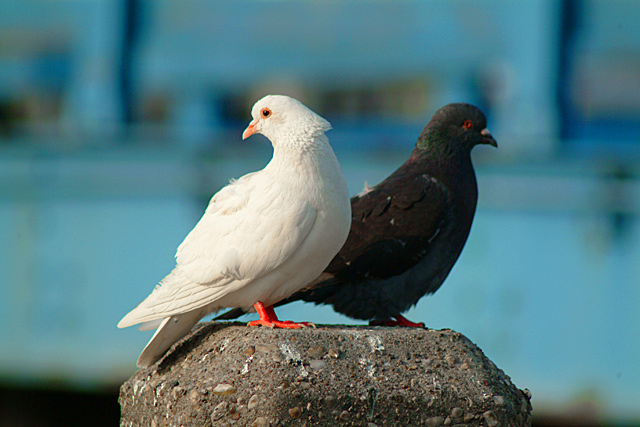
x=286, y=324
x=269, y=319
x=399, y=321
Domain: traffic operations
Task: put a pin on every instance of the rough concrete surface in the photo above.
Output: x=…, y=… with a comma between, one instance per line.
x=228, y=374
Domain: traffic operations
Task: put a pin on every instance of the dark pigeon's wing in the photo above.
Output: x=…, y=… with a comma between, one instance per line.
x=391, y=229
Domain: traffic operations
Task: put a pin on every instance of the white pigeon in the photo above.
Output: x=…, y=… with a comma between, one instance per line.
x=262, y=237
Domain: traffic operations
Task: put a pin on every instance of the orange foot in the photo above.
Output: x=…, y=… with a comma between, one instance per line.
x=400, y=321
x=268, y=318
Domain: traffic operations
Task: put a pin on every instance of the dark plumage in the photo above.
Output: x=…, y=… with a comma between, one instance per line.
x=408, y=231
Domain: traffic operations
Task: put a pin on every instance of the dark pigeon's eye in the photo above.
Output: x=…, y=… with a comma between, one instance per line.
x=467, y=124
x=265, y=112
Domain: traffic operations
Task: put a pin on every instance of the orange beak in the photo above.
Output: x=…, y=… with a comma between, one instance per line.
x=250, y=130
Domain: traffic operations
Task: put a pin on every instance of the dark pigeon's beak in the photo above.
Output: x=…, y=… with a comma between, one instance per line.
x=487, y=138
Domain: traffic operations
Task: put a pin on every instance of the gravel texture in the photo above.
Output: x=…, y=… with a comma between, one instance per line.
x=228, y=374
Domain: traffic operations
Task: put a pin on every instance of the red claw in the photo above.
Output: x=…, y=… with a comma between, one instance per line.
x=269, y=318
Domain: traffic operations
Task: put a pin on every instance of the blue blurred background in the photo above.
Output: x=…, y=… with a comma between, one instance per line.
x=120, y=119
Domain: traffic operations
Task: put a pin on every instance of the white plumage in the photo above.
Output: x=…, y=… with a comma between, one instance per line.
x=262, y=237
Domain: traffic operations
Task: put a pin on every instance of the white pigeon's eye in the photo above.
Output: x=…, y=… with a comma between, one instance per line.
x=265, y=112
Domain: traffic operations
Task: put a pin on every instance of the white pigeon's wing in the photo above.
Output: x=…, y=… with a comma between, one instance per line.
x=238, y=239
x=248, y=229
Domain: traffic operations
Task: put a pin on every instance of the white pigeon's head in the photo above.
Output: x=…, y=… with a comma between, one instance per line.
x=278, y=117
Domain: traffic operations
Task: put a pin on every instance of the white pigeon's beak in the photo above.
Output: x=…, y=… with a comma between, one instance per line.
x=250, y=130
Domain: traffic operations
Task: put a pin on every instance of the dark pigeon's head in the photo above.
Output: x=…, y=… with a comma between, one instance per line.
x=458, y=123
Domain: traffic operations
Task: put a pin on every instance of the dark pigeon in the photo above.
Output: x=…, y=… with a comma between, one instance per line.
x=408, y=231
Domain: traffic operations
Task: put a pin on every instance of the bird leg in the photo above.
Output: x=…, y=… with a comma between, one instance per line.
x=268, y=318
x=399, y=321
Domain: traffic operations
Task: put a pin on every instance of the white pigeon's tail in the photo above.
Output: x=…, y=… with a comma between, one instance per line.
x=170, y=330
